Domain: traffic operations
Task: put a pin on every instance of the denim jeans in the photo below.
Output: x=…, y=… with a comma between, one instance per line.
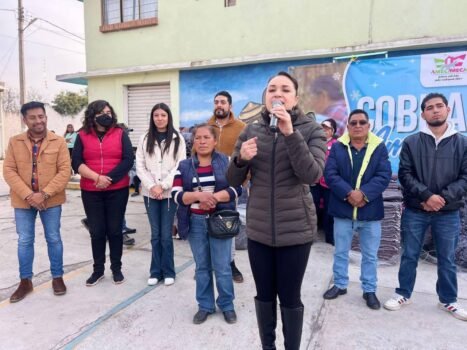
x=161, y=216
x=370, y=238
x=211, y=254
x=445, y=227
x=25, y=227
x=105, y=211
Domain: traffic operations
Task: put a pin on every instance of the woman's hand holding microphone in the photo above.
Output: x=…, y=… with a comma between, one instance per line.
x=284, y=119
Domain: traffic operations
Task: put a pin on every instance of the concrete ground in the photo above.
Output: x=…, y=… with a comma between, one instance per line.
x=135, y=316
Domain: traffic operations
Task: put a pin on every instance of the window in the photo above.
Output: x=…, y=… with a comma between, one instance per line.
x=228, y=3
x=127, y=14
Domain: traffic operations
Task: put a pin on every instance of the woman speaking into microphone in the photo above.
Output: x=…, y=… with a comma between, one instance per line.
x=283, y=161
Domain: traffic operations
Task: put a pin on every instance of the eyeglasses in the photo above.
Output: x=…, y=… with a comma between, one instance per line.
x=359, y=122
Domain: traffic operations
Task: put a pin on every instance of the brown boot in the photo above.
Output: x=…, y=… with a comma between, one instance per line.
x=25, y=287
x=58, y=286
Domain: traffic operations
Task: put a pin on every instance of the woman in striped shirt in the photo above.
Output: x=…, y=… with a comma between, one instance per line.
x=196, y=201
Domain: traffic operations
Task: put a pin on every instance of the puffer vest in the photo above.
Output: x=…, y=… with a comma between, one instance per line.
x=102, y=157
x=219, y=165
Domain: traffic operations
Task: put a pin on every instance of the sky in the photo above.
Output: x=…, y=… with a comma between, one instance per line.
x=49, y=51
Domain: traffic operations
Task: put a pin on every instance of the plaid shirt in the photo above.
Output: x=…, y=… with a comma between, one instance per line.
x=36, y=146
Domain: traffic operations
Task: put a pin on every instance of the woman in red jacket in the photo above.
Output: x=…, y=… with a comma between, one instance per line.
x=103, y=155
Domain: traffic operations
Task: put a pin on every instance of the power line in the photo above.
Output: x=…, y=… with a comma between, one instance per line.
x=59, y=34
x=48, y=22
x=10, y=49
x=8, y=61
x=57, y=26
x=55, y=47
x=38, y=43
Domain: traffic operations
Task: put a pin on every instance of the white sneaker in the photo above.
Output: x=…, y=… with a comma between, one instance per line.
x=152, y=281
x=455, y=310
x=169, y=281
x=396, y=302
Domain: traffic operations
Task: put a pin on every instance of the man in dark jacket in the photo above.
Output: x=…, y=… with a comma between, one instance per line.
x=357, y=172
x=433, y=175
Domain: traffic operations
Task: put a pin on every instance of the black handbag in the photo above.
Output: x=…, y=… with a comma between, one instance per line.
x=222, y=224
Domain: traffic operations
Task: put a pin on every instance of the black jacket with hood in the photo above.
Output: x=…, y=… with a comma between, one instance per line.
x=428, y=167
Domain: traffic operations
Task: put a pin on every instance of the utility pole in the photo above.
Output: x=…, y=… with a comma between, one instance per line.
x=21, y=29
x=22, y=82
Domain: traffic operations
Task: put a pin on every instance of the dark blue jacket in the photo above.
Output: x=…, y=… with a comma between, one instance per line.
x=219, y=165
x=372, y=180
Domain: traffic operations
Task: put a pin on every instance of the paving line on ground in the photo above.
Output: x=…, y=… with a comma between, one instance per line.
x=124, y=304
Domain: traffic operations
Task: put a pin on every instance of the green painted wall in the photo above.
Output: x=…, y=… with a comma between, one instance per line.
x=197, y=30
x=112, y=89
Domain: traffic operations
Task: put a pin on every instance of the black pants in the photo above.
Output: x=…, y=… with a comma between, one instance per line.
x=105, y=211
x=279, y=272
x=136, y=183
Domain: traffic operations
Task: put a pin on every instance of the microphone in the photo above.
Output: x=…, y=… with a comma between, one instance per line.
x=273, y=122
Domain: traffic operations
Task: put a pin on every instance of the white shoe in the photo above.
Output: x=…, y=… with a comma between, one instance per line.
x=169, y=281
x=396, y=302
x=455, y=310
x=152, y=281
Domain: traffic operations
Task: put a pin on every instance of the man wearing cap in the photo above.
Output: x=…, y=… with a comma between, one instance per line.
x=229, y=128
x=37, y=169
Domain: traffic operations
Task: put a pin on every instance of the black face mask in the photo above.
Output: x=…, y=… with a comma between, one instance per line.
x=104, y=120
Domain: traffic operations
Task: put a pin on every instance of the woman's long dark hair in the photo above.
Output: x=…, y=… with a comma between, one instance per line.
x=96, y=107
x=66, y=130
x=152, y=132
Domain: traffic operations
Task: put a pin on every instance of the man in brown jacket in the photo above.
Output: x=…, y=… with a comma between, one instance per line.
x=37, y=169
x=229, y=129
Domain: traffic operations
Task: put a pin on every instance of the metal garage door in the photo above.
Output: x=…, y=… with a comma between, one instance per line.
x=141, y=99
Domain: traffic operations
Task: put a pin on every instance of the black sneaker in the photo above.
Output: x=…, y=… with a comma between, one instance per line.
x=236, y=274
x=118, y=277
x=94, y=279
x=128, y=231
x=134, y=194
x=128, y=240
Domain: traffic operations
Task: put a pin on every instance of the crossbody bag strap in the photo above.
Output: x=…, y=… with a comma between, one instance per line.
x=196, y=175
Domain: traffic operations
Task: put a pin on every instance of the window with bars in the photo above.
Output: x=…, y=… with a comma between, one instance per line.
x=118, y=11
x=127, y=14
x=228, y=3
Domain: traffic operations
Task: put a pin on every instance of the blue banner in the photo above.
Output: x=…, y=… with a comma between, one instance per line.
x=391, y=91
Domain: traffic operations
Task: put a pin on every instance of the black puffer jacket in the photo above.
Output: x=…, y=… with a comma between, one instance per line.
x=426, y=169
x=280, y=209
